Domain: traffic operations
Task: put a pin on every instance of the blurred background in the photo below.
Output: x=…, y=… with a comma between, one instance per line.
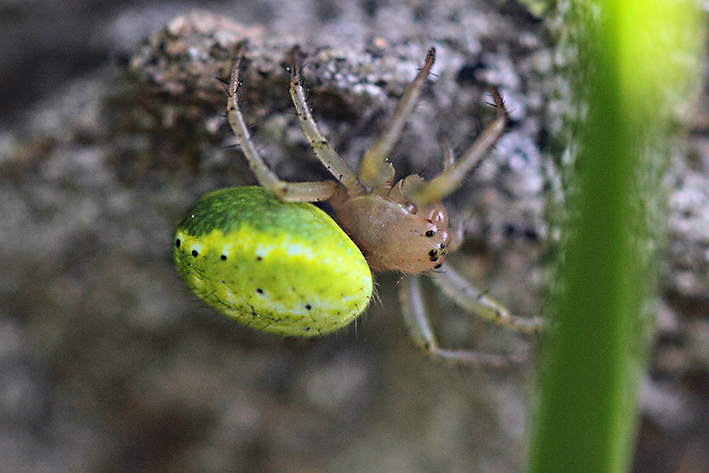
x=113, y=125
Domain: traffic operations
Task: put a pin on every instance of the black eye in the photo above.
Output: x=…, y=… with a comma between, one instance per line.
x=438, y=266
x=430, y=233
x=432, y=253
x=442, y=246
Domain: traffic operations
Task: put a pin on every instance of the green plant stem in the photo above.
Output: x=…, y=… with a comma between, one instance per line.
x=627, y=54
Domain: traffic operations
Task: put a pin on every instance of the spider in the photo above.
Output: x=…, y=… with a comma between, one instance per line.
x=269, y=258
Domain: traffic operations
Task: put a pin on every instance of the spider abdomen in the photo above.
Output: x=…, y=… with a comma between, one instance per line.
x=281, y=267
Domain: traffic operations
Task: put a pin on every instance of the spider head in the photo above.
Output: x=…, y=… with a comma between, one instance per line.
x=394, y=234
x=422, y=230
x=423, y=238
x=438, y=236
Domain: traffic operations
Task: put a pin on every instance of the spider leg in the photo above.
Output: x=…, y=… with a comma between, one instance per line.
x=420, y=192
x=321, y=147
x=422, y=334
x=374, y=169
x=457, y=231
x=471, y=300
x=289, y=191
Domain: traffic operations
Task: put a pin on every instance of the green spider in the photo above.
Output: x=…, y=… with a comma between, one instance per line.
x=270, y=259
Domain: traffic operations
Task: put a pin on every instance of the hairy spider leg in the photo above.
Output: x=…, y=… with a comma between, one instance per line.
x=421, y=192
x=374, y=170
x=288, y=191
x=460, y=291
x=421, y=332
x=332, y=161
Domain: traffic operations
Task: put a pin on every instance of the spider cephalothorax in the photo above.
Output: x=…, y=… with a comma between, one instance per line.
x=395, y=235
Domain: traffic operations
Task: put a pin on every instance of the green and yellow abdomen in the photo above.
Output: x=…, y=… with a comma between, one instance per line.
x=281, y=267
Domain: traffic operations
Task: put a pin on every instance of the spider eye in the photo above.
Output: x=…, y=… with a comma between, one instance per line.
x=430, y=233
x=432, y=253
